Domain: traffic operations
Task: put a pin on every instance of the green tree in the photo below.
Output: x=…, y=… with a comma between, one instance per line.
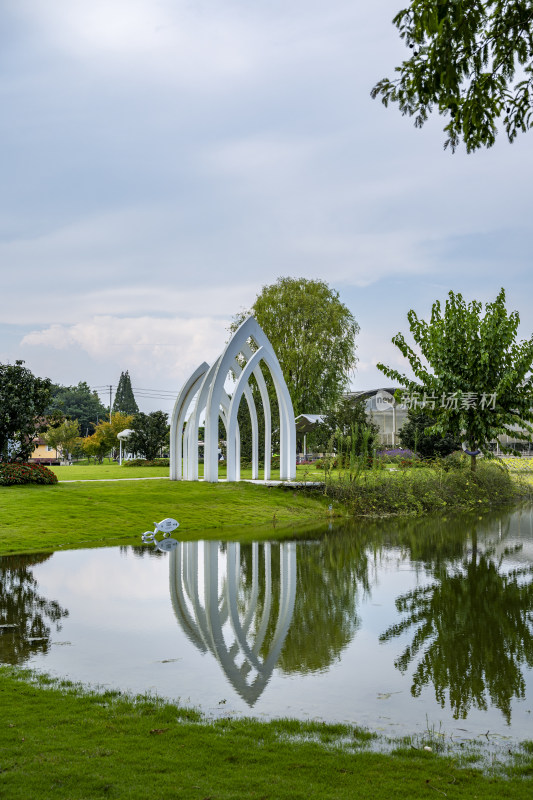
x=124, y=398
x=97, y=445
x=23, y=400
x=476, y=381
x=63, y=437
x=313, y=335
x=104, y=439
x=465, y=57
x=150, y=434
x=349, y=417
x=414, y=436
x=80, y=403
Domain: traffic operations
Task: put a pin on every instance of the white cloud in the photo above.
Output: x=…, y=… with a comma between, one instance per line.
x=157, y=348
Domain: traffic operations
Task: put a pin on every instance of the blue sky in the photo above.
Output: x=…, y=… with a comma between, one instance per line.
x=163, y=160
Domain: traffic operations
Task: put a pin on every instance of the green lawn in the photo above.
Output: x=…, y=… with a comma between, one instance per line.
x=68, y=743
x=108, y=470
x=93, y=472
x=42, y=518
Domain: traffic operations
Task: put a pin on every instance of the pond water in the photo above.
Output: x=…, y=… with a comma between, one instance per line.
x=400, y=626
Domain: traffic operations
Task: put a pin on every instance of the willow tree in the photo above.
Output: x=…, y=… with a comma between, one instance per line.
x=471, y=375
x=313, y=335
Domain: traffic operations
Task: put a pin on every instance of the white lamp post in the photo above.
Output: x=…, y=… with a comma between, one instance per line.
x=122, y=436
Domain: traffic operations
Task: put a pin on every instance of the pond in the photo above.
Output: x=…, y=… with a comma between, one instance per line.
x=397, y=625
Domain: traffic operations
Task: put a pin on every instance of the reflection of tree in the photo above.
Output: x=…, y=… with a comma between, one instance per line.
x=329, y=575
x=141, y=551
x=23, y=607
x=474, y=631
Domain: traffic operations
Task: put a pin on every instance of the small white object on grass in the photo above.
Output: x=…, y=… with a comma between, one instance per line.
x=167, y=525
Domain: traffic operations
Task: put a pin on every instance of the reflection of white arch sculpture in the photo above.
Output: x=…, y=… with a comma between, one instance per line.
x=206, y=388
x=207, y=608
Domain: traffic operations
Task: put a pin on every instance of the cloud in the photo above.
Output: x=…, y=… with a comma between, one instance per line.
x=158, y=348
x=193, y=46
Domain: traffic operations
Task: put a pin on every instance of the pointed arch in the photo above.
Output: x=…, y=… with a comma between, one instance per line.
x=183, y=401
x=235, y=347
x=206, y=386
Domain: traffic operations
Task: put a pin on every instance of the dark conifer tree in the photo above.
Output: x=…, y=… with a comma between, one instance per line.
x=124, y=398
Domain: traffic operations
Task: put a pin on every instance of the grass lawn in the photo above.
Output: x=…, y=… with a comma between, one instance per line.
x=93, y=472
x=91, y=513
x=43, y=518
x=61, y=742
x=110, y=470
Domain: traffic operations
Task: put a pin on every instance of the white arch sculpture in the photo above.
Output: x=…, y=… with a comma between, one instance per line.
x=206, y=390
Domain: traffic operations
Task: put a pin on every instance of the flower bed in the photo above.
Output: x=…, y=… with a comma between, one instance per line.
x=14, y=474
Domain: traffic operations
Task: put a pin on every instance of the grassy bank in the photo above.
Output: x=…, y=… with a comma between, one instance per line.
x=91, y=513
x=43, y=518
x=62, y=742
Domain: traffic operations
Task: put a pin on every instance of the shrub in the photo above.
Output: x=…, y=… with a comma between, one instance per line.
x=143, y=462
x=394, y=455
x=16, y=474
x=424, y=491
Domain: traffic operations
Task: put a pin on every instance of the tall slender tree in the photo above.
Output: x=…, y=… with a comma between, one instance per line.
x=125, y=402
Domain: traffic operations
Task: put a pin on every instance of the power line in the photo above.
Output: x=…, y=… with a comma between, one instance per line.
x=144, y=394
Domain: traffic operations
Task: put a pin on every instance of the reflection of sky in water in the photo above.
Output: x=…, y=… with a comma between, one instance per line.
x=122, y=632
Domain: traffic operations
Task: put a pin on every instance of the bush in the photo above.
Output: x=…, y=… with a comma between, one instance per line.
x=424, y=491
x=15, y=474
x=143, y=462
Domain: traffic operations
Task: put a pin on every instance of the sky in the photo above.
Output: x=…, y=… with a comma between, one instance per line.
x=162, y=160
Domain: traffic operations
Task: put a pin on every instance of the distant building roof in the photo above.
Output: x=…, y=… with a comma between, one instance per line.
x=308, y=422
x=366, y=394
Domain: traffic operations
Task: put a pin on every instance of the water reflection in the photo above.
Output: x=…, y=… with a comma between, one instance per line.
x=472, y=627
x=379, y=622
x=260, y=606
x=24, y=614
x=332, y=577
x=224, y=608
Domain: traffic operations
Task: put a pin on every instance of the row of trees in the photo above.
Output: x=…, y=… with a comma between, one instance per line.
x=65, y=416
x=464, y=351
x=149, y=434
x=84, y=405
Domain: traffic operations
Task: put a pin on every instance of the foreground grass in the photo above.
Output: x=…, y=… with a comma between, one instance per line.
x=43, y=518
x=59, y=741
